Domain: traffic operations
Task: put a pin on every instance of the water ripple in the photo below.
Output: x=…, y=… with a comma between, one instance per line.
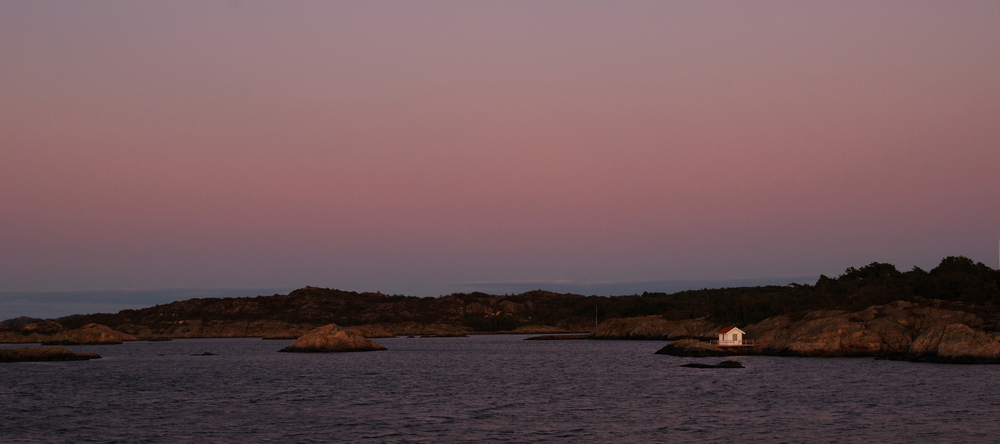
x=485, y=388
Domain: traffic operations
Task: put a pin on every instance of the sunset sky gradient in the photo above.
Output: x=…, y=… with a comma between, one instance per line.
x=429, y=147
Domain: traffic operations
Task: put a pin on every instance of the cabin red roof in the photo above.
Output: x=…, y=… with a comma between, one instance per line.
x=726, y=330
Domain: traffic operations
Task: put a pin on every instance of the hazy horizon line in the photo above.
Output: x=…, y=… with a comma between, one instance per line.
x=52, y=304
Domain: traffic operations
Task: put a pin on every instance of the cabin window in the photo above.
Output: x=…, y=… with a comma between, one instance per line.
x=734, y=336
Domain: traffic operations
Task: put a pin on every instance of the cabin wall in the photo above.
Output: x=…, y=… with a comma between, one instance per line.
x=727, y=339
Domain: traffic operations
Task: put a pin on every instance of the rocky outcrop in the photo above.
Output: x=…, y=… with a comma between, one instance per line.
x=182, y=329
x=286, y=334
x=900, y=330
x=373, y=331
x=266, y=329
x=332, y=339
x=415, y=328
x=32, y=332
x=90, y=334
x=876, y=331
x=955, y=343
x=654, y=327
x=693, y=348
x=13, y=337
x=141, y=332
x=35, y=354
x=195, y=328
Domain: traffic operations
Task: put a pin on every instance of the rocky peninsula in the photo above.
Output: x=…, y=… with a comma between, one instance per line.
x=932, y=331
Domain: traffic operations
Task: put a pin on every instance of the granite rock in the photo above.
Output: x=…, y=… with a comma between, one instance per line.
x=955, y=343
x=331, y=339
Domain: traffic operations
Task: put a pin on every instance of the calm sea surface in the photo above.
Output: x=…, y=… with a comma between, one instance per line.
x=486, y=388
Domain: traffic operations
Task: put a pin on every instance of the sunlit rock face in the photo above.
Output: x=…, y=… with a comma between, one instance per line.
x=899, y=330
x=332, y=339
x=955, y=343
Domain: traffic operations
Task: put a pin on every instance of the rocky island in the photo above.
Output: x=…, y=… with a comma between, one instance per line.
x=332, y=339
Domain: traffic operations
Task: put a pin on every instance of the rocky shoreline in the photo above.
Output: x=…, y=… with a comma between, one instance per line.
x=43, y=354
x=795, y=320
x=849, y=315
x=53, y=333
x=896, y=331
x=655, y=327
x=931, y=331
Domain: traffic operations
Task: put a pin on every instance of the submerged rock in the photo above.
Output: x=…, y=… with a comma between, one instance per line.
x=729, y=364
x=332, y=339
x=723, y=364
x=692, y=348
x=36, y=354
x=90, y=334
x=557, y=337
x=447, y=335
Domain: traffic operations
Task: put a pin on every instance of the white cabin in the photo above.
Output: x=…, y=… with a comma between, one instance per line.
x=731, y=336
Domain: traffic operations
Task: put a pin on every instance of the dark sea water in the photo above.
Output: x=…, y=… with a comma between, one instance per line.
x=486, y=389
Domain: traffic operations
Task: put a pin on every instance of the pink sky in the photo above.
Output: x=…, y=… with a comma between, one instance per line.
x=421, y=146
